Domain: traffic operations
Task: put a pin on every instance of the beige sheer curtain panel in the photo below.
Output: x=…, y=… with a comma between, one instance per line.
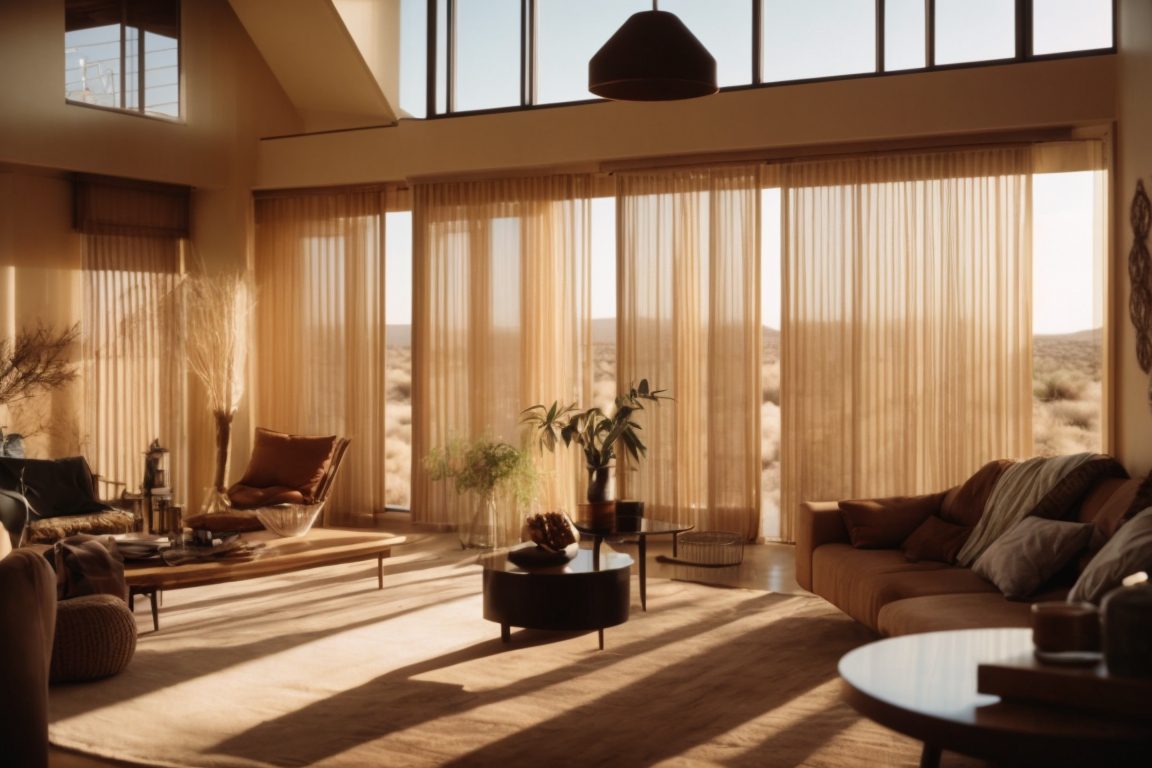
x=320, y=354
x=133, y=373
x=500, y=323
x=688, y=287
x=907, y=330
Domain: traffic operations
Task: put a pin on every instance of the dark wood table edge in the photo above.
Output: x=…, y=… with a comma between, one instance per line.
x=245, y=570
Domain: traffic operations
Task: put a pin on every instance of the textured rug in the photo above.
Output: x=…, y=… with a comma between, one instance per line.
x=321, y=668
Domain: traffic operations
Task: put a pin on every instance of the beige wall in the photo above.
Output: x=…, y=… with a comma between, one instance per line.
x=1133, y=442
x=230, y=99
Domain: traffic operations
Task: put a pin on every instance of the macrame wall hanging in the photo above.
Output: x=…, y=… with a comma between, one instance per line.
x=1140, y=273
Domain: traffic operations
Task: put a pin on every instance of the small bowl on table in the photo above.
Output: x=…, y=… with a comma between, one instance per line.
x=289, y=519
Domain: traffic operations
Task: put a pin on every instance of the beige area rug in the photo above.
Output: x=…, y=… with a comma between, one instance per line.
x=321, y=668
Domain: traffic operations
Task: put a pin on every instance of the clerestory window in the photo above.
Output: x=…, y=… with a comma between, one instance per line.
x=123, y=55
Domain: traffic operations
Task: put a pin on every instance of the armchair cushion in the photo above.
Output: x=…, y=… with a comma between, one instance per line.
x=53, y=487
x=286, y=463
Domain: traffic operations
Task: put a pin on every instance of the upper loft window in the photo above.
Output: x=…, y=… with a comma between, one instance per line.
x=461, y=56
x=123, y=54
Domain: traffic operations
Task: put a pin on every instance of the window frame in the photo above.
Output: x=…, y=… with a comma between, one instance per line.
x=529, y=45
x=142, y=76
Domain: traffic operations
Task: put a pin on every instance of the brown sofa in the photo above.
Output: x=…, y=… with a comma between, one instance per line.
x=882, y=588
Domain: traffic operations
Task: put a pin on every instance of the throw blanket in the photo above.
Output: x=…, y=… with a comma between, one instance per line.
x=1017, y=492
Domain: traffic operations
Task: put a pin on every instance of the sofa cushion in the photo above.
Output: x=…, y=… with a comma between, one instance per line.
x=1108, y=504
x=936, y=539
x=1030, y=553
x=851, y=578
x=884, y=523
x=247, y=497
x=969, y=610
x=1127, y=552
x=288, y=461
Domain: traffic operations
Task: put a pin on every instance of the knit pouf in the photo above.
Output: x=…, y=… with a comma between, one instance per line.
x=95, y=638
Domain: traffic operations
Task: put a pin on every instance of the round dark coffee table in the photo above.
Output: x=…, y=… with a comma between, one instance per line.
x=577, y=596
x=641, y=528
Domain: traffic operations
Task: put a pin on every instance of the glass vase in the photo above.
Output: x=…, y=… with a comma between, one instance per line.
x=481, y=531
x=215, y=501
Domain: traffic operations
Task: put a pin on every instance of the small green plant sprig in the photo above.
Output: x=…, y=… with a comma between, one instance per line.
x=484, y=466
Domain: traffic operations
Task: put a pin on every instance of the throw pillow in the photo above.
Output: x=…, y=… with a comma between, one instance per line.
x=224, y=522
x=1061, y=500
x=1030, y=553
x=885, y=523
x=292, y=461
x=53, y=487
x=1143, y=498
x=966, y=505
x=247, y=497
x=936, y=539
x=88, y=565
x=1127, y=552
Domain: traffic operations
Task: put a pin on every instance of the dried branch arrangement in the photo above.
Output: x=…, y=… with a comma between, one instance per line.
x=36, y=362
x=216, y=310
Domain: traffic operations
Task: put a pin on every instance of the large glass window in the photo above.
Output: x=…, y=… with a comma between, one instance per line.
x=487, y=54
x=903, y=34
x=975, y=30
x=724, y=27
x=123, y=54
x=805, y=40
x=1071, y=25
x=398, y=378
x=414, y=57
x=568, y=34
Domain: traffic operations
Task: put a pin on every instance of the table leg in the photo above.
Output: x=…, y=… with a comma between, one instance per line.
x=505, y=633
x=930, y=756
x=675, y=541
x=643, y=553
x=596, y=539
x=155, y=610
x=380, y=572
x=601, y=633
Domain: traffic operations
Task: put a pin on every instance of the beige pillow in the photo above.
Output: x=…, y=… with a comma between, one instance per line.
x=1030, y=553
x=1127, y=552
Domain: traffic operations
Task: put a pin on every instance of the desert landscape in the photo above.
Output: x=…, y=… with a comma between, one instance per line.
x=1066, y=401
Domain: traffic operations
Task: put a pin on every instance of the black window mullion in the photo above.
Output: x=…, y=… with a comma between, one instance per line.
x=450, y=74
x=430, y=74
x=880, y=10
x=757, y=42
x=527, y=52
x=1023, y=29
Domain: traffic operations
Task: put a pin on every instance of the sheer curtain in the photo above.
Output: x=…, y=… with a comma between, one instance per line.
x=320, y=352
x=500, y=322
x=688, y=243
x=133, y=378
x=907, y=331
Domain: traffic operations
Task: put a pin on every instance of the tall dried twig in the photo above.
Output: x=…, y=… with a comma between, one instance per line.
x=216, y=310
x=36, y=362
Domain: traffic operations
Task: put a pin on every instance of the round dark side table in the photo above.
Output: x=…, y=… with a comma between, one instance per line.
x=579, y=595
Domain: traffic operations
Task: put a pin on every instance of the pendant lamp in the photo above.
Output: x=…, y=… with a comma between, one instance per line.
x=652, y=57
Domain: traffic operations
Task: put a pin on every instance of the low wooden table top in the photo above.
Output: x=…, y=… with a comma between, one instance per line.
x=925, y=686
x=319, y=547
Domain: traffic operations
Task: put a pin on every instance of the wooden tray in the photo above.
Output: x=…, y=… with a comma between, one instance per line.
x=1081, y=687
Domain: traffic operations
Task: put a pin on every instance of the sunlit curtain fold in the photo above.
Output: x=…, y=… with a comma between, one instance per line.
x=133, y=374
x=320, y=329
x=906, y=338
x=500, y=322
x=688, y=250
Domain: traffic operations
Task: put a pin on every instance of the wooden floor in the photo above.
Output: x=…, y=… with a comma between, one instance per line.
x=764, y=566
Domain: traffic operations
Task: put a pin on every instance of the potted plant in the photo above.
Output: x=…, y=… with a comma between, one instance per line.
x=484, y=467
x=602, y=437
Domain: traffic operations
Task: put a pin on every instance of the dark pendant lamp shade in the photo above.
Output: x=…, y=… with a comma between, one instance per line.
x=652, y=57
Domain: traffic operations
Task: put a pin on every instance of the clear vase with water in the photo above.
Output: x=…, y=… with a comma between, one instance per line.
x=482, y=529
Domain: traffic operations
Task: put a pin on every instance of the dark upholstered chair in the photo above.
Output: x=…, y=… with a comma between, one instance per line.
x=61, y=497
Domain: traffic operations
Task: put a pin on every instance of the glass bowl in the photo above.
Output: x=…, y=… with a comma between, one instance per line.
x=289, y=519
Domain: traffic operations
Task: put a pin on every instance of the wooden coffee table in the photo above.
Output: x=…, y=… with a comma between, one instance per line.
x=318, y=547
x=578, y=595
x=924, y=686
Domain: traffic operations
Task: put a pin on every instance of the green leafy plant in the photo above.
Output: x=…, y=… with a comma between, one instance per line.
x=484, y=466
x=602, y=437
